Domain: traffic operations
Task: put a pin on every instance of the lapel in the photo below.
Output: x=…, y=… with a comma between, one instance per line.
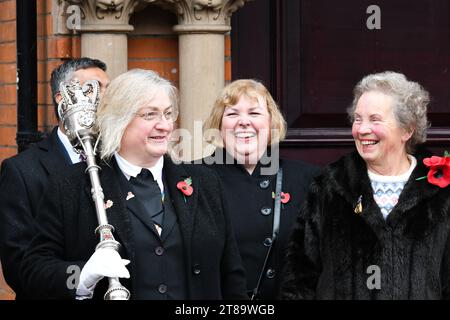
x=185, y=211
x=169, y=215
x=117, y=214
x=138, y=210
x=414, y=193
x=54, y=155
x=350, y=180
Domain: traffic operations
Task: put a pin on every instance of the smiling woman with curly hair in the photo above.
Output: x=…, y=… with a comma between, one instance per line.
x=371, y=227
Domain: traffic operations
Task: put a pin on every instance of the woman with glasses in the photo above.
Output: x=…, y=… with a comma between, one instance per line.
x=247, y=126
x=171, y=220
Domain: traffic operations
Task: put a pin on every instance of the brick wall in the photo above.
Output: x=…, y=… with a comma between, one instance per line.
x=51, y=50
x=160, y=53
x=152, y=45
x=7, y=78
x=227, y=59
x=7, y=97
x=155, y=53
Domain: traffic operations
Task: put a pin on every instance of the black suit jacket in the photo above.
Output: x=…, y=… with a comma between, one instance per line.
x=23, y=179
x=67, y=220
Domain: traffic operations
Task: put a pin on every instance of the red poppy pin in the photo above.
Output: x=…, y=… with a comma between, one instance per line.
x=285, y=197
x=185, y=187
x=439, y=173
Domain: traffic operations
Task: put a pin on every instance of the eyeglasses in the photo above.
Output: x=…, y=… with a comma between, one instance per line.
x=170, y=115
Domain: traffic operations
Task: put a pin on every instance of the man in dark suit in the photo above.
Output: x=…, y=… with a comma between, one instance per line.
x=171, y=220
x=24, y=176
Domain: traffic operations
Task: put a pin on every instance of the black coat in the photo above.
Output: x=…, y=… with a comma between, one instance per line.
x=23, y=179
x=333, y=248
x=248, y=200
x=67, y=221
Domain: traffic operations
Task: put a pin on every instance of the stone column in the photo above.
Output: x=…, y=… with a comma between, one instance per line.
x=202, y=25
x=104, y=27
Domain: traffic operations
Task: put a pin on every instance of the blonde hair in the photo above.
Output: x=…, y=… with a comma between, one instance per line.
x=410, y=102
x=124, y=96
x=252, y=90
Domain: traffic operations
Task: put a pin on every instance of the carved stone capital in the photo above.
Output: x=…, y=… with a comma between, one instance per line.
x=201, y=16
x=98, y=15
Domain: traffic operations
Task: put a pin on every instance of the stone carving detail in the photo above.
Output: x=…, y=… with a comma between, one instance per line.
x=114, y=15
x=204, y=12
x=111, y=14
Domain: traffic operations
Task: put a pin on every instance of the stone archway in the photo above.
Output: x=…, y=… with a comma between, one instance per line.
x=202, y=25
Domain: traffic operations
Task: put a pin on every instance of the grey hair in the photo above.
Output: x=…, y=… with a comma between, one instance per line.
x=125, y=95
x=410, y=102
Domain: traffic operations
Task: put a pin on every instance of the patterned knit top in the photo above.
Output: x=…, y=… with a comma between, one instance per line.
x=387, y=189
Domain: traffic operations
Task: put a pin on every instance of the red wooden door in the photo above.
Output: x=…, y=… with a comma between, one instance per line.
x=311, y=53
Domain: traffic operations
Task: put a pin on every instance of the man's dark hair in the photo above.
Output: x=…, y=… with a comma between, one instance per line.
x=65, y=71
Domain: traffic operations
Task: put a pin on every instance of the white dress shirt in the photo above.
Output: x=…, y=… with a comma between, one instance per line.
x=74, y=157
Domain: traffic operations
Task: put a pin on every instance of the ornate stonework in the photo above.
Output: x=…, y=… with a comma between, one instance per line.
x=201, y=15
x=114, y=15
x=102, y=15
x=201, y=26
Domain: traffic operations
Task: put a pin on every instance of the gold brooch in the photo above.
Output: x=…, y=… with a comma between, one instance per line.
x=358, y=209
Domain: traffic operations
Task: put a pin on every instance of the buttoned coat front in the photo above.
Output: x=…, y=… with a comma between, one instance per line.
x=67, y=221
x=251, y=202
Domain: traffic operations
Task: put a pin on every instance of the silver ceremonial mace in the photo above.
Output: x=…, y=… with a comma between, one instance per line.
x=77, y=110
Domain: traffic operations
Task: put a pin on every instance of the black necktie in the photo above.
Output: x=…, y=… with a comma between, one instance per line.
x=147, y=191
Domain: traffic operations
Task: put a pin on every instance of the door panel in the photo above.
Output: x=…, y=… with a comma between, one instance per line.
x=311, y=53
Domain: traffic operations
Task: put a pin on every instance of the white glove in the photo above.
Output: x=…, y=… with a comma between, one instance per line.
x=105, y=262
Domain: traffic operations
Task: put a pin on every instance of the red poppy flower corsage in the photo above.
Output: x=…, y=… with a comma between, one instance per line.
x=185, y=187
x=439, y=173
x=285, y=197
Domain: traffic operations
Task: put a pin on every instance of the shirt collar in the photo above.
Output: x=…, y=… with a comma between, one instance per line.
x=130, y=170
x=74, y=157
